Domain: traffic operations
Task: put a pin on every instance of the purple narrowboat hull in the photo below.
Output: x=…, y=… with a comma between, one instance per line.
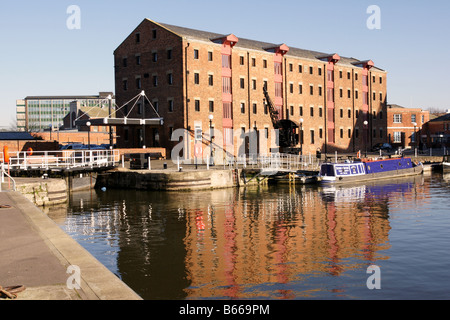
x=357, y=171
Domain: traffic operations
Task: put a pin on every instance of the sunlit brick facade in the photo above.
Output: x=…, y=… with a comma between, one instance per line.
x=189, y=75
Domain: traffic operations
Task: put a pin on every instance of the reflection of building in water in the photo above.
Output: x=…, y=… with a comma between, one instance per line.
x=254, y=242
x=277, y=240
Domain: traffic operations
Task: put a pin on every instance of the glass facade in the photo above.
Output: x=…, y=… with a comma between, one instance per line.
x=43, y=113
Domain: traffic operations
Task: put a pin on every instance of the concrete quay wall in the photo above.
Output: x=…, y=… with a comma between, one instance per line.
x=171, y=180
x=37, y=254
x=43, y=192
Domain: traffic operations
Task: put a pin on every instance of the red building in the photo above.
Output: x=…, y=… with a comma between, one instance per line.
x=405, y=126
x=437, y=132
x=212, y=85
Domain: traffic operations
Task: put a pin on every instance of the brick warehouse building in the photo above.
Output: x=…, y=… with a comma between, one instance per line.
x=189, y=75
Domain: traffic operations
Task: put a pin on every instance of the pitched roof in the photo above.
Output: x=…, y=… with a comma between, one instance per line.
x=256, y=45
x=16, y=135
x=445, y=117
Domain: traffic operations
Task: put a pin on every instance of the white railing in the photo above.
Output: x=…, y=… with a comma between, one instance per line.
x=2, y=177
x=274, y=161
x=63, y=159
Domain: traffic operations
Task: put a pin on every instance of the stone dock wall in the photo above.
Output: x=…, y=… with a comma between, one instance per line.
x=172, y=181
x=44, y=192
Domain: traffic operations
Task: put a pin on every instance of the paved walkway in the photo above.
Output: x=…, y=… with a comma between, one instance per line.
x=36, y=253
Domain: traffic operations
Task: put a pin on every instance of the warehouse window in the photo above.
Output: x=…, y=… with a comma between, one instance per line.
x=197, y=105
x=278, y=89
x=397, y=118
x=278, y=68
x=210, y=80
x=226, y=85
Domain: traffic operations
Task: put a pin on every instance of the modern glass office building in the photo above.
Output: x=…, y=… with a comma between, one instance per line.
x=42, y=113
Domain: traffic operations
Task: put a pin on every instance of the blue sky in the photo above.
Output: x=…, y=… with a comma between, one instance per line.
x=41, y=56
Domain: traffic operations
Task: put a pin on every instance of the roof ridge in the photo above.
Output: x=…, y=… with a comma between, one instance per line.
x=256, y=44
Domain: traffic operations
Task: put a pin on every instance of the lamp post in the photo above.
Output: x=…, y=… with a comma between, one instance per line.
x=111, y=141
x=89, y=134
x=211, y=117
x=301, y=136
x=366, y=132
x=415, y=136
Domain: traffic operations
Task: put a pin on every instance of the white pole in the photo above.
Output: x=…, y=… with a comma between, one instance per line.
x=178, y=163
x=123, y=161
x=149, y=164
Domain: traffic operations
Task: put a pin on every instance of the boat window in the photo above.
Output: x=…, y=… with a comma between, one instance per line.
x=327, y=170
x=381, y=166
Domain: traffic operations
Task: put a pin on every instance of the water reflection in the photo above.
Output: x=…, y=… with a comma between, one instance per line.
x=260, y=242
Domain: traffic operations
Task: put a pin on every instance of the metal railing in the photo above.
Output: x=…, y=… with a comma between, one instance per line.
x=274, y=161
x=62, y=159
x=2, y=177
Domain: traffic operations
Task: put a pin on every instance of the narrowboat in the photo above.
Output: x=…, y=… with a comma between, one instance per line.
x=368, y=169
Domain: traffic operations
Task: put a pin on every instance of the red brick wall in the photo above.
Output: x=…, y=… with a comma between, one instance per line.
x=183, y=117
x=74, y=137
x=406, y=126
x=36, y=145
x=146, y=70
